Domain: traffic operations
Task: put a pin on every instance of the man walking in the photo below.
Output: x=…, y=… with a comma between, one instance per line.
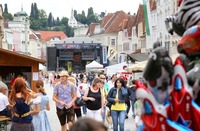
x=64, y=95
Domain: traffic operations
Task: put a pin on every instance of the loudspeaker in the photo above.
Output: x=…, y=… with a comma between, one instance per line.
x=51, y=58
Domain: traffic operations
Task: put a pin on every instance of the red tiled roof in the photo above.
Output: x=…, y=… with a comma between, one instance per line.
x=130, y=23
x=106, y=19
x=113, y=24
x=152, y=5
x=47, y=35
x=32, y=36
x=140, y=17
x=92, y=28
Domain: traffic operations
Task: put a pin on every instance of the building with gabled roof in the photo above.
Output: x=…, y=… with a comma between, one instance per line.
x=108, y=32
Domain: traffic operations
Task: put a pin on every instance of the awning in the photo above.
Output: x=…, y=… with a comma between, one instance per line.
x=141, y=65
x=138, y=56
x=138, y=67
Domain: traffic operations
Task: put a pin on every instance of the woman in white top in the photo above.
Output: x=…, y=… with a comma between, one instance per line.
x=83, y=87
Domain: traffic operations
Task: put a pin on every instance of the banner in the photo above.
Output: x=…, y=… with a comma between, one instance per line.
x=69, y=66
x=146, y=15
x=104, y=52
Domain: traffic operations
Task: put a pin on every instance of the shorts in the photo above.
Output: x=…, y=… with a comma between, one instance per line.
x=63, y=113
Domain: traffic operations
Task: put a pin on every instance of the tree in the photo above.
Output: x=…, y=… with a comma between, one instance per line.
x=36, y=11
x=75, y=14
x=57, y=21
x=90, y=12
x=32, y=12
x=91, y=17
x=5, y=9
x=8, y=16
x=64, y=21
x=43, y=18
x=50, y=20
x=35, y=24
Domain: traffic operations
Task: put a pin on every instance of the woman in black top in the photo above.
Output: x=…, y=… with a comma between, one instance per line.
x=94, y=100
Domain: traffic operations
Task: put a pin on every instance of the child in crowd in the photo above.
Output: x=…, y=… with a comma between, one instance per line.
x=4, y=110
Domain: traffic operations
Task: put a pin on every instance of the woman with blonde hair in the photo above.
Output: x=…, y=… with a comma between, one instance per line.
x=40, y=120
x=20, y=98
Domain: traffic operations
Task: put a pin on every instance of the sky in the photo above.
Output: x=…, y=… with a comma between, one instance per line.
x=62, y=8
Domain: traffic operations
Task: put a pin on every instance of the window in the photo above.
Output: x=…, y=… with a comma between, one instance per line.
x=112, y=41
x=167, y=45
x=143, y=43
x=134, y=31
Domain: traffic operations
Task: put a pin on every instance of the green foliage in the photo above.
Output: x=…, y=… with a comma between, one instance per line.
x=50, y=20
x=36, y=11
x=40, y=21
x=7, y=16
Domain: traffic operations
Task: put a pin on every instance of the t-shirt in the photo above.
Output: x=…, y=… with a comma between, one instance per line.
x=83, y=87
x=94, y=105
x=3, y=101
x=118, y=106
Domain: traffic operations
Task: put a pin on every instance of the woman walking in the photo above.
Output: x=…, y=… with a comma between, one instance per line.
x=40, y=120
x=94, y=100
x=20, y=98
x=82, y=88
x=117, y=96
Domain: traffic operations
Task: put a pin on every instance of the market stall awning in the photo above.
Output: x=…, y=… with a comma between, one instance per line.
x=138, y=67
x=138, y=57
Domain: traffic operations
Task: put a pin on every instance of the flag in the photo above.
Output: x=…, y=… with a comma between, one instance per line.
x=146, y=16
x=69, y=65
x=104, y=51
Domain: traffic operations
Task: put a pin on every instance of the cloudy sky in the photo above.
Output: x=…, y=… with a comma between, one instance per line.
x=62, y=8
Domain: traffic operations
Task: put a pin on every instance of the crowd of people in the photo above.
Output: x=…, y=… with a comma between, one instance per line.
x=106, y=102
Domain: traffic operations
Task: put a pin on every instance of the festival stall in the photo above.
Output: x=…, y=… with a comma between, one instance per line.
x=113, y=69
x=93, y=66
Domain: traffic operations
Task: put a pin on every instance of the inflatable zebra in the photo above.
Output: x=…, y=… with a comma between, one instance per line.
x=187, y=16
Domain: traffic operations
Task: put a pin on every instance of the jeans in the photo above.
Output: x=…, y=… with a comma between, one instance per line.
x=84, y=106
x=118, y=117
x=132, y=105
x=128, y=105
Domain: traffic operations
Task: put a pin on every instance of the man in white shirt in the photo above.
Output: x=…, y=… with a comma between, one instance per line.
x=4, y=111
x=111, y=81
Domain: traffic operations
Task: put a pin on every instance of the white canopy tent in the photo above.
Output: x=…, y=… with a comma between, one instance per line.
x=113, y=69
x=93, y=65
